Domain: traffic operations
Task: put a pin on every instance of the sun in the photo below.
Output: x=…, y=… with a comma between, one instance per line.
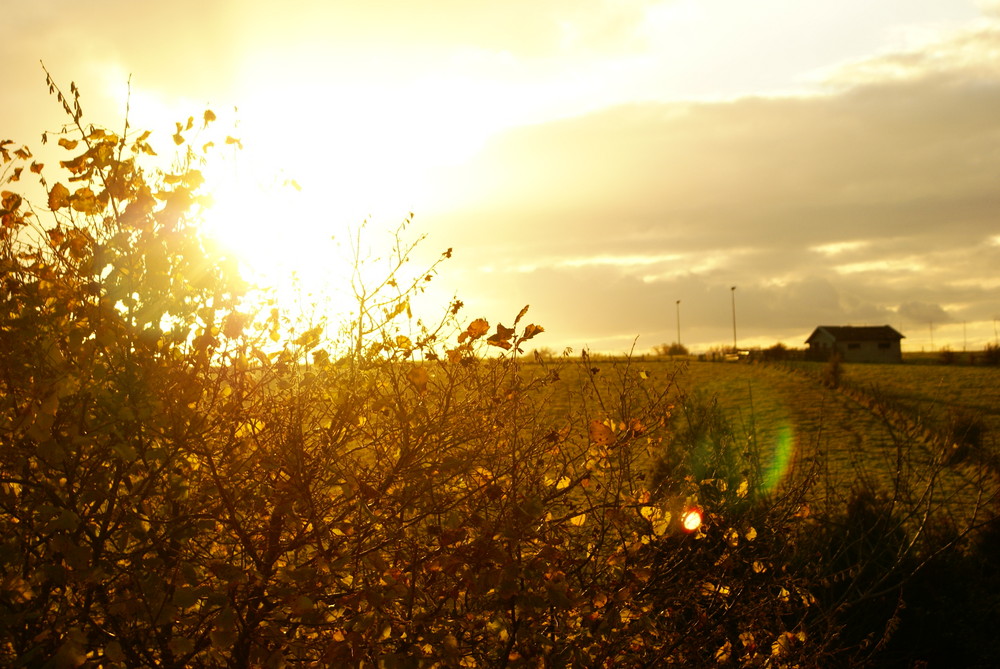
x=313, y=171
x=309, y=254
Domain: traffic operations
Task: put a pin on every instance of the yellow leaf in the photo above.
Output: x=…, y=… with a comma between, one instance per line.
x=532, y=330
x=578, y=519
x=85, y=202
x=58, y=197
x=722, y=655
x=476, y=329
x=661, y=524
x=69, y=144
x=600, y=434
x=781, y=645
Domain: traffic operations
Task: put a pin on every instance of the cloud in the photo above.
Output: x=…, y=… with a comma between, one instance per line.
x=923, y=312
x=874, y=187
x=829, y=208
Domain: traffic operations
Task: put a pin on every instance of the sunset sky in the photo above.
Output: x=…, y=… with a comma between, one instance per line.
x=838, y=162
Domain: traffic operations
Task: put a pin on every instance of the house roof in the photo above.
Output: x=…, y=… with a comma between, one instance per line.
x=857, y=333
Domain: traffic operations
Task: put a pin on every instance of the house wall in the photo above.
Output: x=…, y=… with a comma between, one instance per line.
x=870, y=351
x=822, y=347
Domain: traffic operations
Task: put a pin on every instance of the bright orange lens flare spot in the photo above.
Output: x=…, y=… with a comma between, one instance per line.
x=691, y=520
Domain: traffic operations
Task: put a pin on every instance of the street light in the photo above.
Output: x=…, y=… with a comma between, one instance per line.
x=733, y=292
x=678, y=323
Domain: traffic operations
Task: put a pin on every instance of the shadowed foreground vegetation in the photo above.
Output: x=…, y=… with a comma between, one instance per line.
x=188, y=478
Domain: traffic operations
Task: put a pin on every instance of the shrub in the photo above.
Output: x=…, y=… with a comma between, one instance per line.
x=833, y=371
x=991, y=354
x=671, y=349
x=189, y=478
x=776, y=353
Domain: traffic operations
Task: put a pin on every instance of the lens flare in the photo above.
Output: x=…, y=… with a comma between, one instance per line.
x=780, y=462
x=691, y=520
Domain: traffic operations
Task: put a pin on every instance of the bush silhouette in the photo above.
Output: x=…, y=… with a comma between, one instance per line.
x=192, y=477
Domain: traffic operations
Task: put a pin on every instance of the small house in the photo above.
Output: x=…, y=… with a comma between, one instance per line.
x=869, y=343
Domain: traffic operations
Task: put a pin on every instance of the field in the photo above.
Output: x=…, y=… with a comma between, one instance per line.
x=890, y=427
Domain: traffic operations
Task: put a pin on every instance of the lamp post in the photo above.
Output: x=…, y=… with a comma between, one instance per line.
x=678, y=323
x=733, y=293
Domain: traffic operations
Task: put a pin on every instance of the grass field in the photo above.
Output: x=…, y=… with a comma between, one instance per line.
x=884, y=425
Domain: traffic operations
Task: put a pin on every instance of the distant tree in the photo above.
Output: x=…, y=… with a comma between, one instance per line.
x=776, y=352
x=672, y=349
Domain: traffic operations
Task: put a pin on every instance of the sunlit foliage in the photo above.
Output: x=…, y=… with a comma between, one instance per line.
x=191, y=478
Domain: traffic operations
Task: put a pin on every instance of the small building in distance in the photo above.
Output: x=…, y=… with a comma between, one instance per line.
x=869, y=343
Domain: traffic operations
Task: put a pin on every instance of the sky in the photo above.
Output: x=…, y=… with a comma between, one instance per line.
x=838, y=163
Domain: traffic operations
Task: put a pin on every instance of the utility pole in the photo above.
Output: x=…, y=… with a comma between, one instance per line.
x=733, y=293
x=678, y=323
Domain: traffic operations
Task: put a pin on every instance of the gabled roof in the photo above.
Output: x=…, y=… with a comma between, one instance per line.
x=858, y=333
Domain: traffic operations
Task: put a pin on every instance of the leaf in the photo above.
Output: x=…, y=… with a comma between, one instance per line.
x=476, y=329
x=521, y=314
x=501, y=337
x=85, y=202
x=723, y=654
x=661, y=523
x=208, y=116
x=58, y=197
x=10, y=201
x=600, y=434
x=69, y=144
x=532, y=330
